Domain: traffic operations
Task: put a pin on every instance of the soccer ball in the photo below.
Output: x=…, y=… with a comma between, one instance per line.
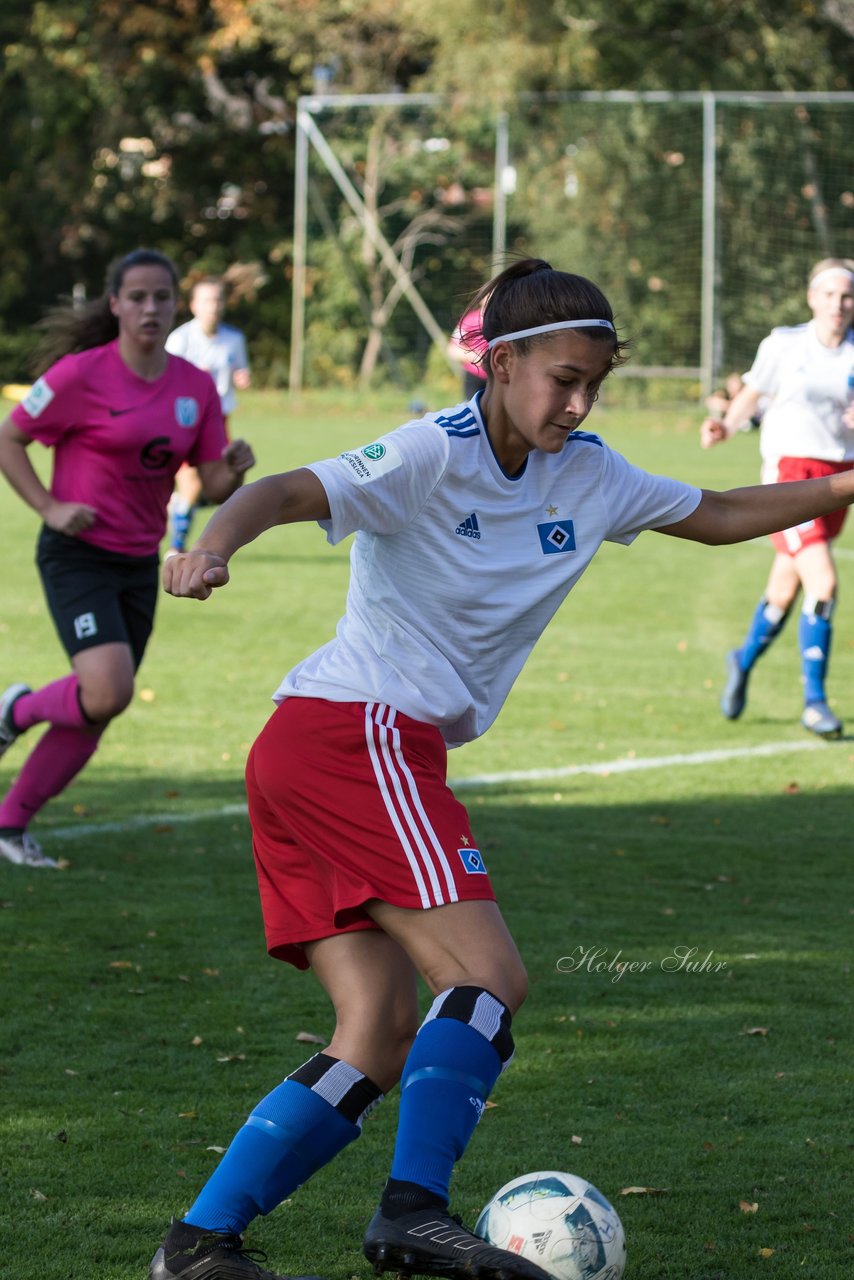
x=560, y=1222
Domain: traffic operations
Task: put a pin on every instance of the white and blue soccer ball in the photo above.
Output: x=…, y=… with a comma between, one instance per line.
x=559, y=1221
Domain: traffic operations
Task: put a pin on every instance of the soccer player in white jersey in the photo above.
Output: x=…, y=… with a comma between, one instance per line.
x=807, y=374
x=471, y=526
x=220, y=349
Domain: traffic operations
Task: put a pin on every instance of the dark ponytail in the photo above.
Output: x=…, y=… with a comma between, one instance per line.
x=69, y=328
x=529, y=293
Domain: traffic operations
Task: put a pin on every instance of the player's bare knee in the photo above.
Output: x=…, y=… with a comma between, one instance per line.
x=517, y=994
x=104, y=702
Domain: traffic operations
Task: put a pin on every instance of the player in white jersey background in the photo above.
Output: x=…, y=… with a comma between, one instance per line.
x=807, y=374
x=220, y=349
x=471, y=526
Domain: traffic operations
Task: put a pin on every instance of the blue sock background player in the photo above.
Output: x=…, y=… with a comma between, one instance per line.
x=805, y=376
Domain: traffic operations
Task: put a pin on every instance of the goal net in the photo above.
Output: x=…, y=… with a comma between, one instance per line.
x=699, y=216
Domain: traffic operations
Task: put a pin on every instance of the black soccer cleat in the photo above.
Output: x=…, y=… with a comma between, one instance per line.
x=734, y=696
x=432, y=1243
x=213, y=1255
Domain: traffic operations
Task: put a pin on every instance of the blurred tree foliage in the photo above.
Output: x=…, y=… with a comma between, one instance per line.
x=170, y=123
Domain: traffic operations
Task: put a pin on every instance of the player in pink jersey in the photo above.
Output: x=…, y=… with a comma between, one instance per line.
x=467, y=348
x=471, y=527
x=120, y=416
x=806, y=372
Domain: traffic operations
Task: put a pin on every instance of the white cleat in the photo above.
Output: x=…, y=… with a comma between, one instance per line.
x=24, y=851
x=8, y=732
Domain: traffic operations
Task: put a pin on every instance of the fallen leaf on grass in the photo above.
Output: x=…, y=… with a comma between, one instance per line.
x=488, y=1106
x=748, y=1206
x=147, y=695
x=576, y=1140
x=36, y=1194
x=219, y=1150
x=121, y=964
x=187, y=1115
x=644, y=1191
x=766, y=1253
x=233, y=1057
x=307, y=1037
x=791, y=789
x=197, y=1040
x=755, y=1031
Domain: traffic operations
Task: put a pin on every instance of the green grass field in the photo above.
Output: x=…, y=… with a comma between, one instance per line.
x=142, y=1019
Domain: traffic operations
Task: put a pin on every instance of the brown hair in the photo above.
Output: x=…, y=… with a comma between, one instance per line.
x=831, y=264
x=531, y=292
x=69, y=328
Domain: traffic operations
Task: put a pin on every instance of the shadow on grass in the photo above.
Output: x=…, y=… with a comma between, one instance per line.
x=142, y=1021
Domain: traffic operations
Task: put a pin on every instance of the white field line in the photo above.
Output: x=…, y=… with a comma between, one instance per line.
x=602, y=768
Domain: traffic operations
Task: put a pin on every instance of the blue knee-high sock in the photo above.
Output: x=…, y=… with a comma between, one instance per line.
x=449, y=1074
x=180, y=520
x=765, y=625
x=291, y=1134
x=815, y=632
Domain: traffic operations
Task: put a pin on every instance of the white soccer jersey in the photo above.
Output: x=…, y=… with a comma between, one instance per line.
x=808, y=386
x=456, y=568
x=219, y=353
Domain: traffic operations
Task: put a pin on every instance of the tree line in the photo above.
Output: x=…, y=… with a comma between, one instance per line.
x=171, y=123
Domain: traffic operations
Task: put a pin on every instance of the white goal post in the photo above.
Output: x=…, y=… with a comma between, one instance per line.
x=704, y=162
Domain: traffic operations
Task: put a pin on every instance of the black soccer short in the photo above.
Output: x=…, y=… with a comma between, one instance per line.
x=97, y=596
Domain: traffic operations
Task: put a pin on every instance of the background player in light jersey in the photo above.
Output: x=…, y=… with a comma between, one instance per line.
x=120, y=416
x=807, y=374
x=220, y=349
x=471, y=526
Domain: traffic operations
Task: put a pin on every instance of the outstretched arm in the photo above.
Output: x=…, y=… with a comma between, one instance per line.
x=282, y=499
x=737, y=515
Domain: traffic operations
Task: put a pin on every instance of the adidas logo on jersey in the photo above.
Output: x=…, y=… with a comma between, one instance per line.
x=468, y=528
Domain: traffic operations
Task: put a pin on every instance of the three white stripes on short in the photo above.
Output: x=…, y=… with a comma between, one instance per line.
x=424, y=852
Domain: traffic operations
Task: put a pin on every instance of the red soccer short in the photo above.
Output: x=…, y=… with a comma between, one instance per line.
x=824, y=528
x=348, y=803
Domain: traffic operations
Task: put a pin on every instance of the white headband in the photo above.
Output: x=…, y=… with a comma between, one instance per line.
x=831, y=271
x=550, y=328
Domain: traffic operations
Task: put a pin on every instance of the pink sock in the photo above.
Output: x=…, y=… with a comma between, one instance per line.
x=56, y=759
x=57, y=703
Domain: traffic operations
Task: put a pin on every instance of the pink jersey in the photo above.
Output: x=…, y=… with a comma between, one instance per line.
x=469, y=337
x=118, y=439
